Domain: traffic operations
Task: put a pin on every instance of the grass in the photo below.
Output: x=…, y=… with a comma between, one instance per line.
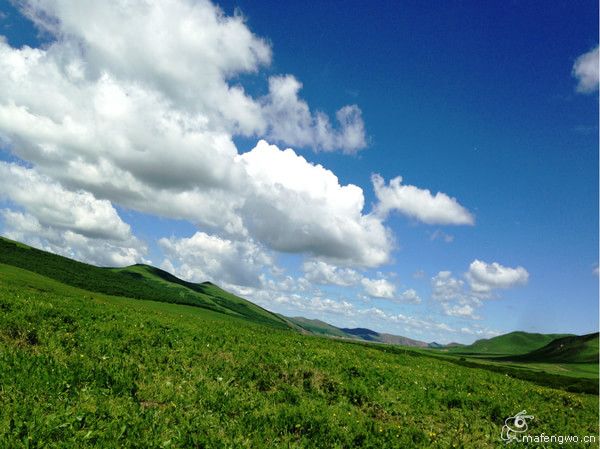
x=137, y=281
x=514, y=343
x=81, y=369
x=581, y=349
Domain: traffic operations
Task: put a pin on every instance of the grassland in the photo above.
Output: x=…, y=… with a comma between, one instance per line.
x=137, y=281
x=83, y=369
x=514, y=343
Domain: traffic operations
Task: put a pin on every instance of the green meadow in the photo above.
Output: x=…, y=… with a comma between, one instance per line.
x=88, y=369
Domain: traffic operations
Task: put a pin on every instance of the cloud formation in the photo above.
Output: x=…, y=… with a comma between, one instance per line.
x=585, y=70
x=75, y=224
x=418, y=203
x=484, y=277
x=322, y=273
x=460, y=299
x=146, y=120
x=203, y=257
x=379, y=288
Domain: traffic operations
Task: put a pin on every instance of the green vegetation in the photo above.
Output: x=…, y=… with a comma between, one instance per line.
x=319, y=327
x=137, y=281
x=514, y=343
x=572, y=349
x=81, y=369
x=194, y=366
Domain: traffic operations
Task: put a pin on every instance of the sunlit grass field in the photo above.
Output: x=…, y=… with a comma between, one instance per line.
x=81, y=369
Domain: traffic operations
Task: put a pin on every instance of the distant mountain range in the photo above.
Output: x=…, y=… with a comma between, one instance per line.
x=151, y=283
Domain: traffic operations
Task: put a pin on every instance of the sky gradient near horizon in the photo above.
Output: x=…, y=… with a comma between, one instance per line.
x=423, y=170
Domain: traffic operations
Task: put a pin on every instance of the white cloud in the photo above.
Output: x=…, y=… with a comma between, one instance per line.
x=295, y=206
x=204, y=257
x=322, y=273
x=461, y=300
x=484, y=277
x=290, y=120
x=410, y=296
x=445, y=288
x=26, y=228
x=379, y=288
x=460, y=310
x=146, y=120
x=585, y=70
x=56, y=207
x=74, y=224
x=418, y=203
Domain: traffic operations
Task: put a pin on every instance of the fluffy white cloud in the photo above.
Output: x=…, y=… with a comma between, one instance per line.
x=585, y=70
x=418, y=203
x=146, y=120
x=445, y=287
x=296, y=206
x=379, y=288
x=461, y=300
x=322, y=273
x=455, y=300
x=75, y=224
x=460, y=310
x=204, y=257
x=26, y=228
x=290, y=120
x=56, y=207
x=484, y=277
x=410, y=296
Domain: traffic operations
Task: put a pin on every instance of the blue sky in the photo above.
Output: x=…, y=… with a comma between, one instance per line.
x=137, y=140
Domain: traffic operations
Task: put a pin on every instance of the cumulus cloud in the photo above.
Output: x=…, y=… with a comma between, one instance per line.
x=204, y=257
x=455, y=299
x=146, y=119
x=484, y=277
x=26, y=228
x=75, y=224
x=322, y=273
x=379, y=288
x=56, y=207
x=410, y=296
x=460, y=299
x=296, y=206
x=291, y=121
x=418, y=203
x=585, y=70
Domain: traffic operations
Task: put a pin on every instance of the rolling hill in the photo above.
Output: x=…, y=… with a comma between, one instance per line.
x=319, y=327
x=513, y=343
x=370, y=335
x=136, y=281
x=571, y=349
x=82, y=369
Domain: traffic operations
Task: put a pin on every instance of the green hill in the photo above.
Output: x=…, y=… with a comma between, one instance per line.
x=514, y=343
x=82, y=369
x=371, y=335
x=319, y=327
x=572, y=349
x=136, y=281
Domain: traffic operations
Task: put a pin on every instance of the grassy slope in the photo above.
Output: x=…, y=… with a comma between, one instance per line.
x=370, y=335
x=319, y=327
x=514, y=343
x=137, y=281
x=572, y=349
x=81, y=369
